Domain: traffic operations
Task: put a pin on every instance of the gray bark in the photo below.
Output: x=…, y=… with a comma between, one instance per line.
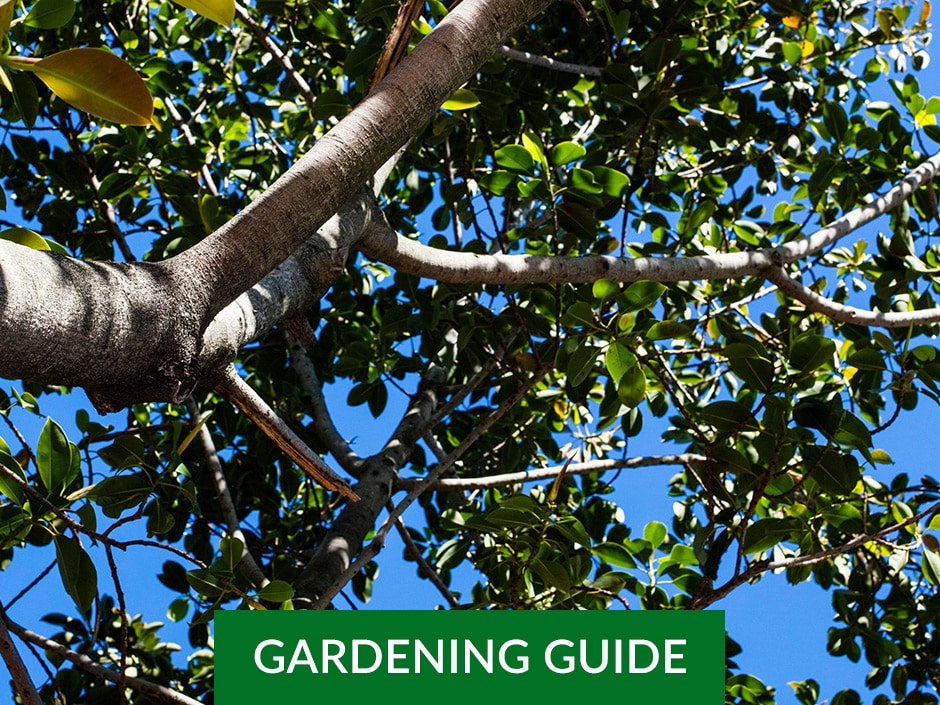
x=135, y=332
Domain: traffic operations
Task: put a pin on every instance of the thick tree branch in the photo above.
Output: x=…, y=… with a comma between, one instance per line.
x=376, y=545
x=157, y=692
x=344, y=539
x=267, y=231
x=382, y=243
x=22, y=682
x=483, y=483
x=134, y=332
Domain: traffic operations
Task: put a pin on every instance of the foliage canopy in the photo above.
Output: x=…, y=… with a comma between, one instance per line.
x=628, y=216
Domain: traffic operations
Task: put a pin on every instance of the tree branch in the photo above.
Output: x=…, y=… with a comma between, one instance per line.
x=322, y=420
x=592, y=466
x=252, y=569
x=158, y=692
x=22, y=681
x=545, y=62
x=372, y=550
x=382, y=243
x=344, y=539
x=848, y=314
x=239, y=393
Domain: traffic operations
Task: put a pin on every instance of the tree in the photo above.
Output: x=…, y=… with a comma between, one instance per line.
x=623, y=213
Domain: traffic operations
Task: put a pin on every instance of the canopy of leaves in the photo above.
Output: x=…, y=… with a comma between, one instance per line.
x=664, y=130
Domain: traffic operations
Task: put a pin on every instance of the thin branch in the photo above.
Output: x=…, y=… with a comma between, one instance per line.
x=415, y=552
x=283, y=59
x=545, y=62
x=300, y=339
x=22, y=681
x=370, y=551
x=591, y=466
x=252, y=570
x=239, y=393
x=797, y=561
x=382, y=243
x=849, y=314
x=158, y=692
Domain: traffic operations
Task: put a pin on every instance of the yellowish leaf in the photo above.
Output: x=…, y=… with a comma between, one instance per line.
x=220, y=11
x=97, y=82
x=23, y=236
x=6, y=15
x=462, y=99
x=808, y=49
x=792, y=21
x=924, y=13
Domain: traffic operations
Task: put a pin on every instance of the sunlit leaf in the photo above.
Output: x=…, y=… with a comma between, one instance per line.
x=219, y=11
x=97, y=82
x=462, y=99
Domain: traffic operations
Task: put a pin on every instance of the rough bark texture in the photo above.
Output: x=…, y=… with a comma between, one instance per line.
x=344, y=539
x=134, y=332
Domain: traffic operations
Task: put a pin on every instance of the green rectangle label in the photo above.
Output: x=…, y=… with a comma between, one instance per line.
x=663, y=656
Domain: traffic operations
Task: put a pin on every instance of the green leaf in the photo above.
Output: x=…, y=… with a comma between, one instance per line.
x=25, y=96
x=97, y=82
x=930, y=564
x=25, y=237
x=632, y=387
x=728, y=416
x=514, y=156
x=206, y=583
x=219, y=11
x=567, y=152
x=77, y=571
x=655, y=532
x=552, y=574
x=50, y=14
x=276, y=591
x=810, y=351
x=582, y=181
x=178, y=609
x=7, y=8
x=573, y=530
x=618, y=360
x=115, y=494
x=614, y=554
x=667, y=330
x=767, y=533
x=462, y=99
x=605, y=290
x=8, y=486
x=614, y=183
x=833, y=472
x=581, y=363
x=231, y=549
x=642, y=295
x=54, y=457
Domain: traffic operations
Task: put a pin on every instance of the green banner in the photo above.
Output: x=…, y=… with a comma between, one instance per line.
x=470, y=658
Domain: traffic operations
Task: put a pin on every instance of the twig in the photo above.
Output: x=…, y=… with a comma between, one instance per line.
x=545, y=62
x=300, y=338
x=155, y=691
x=239, y=393
x=591, y=466
x=283, y=59
x=428, y=569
